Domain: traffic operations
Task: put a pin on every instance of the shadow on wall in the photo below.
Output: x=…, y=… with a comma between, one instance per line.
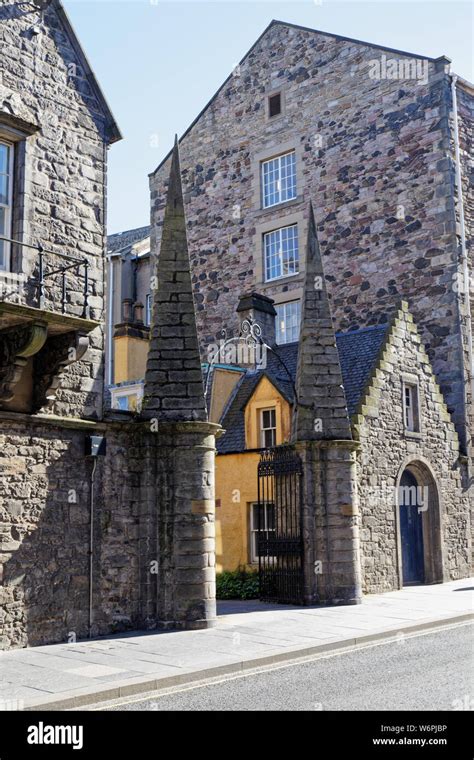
x=45, y=527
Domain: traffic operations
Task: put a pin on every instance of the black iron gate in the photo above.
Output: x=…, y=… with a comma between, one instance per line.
x=279, y=536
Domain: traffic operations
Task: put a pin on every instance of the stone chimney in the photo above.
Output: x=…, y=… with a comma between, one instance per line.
x=260, y=310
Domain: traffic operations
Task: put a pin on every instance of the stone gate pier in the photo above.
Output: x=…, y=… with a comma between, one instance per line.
x=178, y=545
x=323, y=438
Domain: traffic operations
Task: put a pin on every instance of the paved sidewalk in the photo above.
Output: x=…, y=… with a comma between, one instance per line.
x=248, y=635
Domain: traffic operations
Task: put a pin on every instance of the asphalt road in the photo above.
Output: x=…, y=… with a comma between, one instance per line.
x=426, y=672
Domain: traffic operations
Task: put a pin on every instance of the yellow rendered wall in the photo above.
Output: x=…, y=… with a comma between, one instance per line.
x=130, y=356
x=236, y=488
x=266, y=396
x=236, y=480
x=223, y=383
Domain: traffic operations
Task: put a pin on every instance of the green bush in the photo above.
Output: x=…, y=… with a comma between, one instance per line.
x=238, y=584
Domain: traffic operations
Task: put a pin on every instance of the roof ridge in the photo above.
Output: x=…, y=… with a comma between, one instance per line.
x=127, y=232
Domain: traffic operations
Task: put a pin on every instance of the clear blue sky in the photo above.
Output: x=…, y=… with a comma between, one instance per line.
x=160, y=61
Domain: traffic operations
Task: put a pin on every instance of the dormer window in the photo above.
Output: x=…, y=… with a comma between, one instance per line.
x=267, y=428
x=6, y=202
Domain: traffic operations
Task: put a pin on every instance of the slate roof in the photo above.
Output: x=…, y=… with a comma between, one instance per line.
x=123, y=240
x=358, y=352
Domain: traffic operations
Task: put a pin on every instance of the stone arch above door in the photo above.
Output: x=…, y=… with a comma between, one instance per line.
x=432, y=523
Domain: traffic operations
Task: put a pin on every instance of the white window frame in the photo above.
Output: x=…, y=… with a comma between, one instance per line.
x=280, y=254
x=5, y=267
x=263, y=429
x=126, y=391
x=253, y=527
x=148, y=309
x=276, y=161
x=411, y=414
x=282, y=317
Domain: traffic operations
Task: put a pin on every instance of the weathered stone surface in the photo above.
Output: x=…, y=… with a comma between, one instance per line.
x=386, y=450
x=47, y=91
x=377, y=158
x=321, y=408
x=174, y=392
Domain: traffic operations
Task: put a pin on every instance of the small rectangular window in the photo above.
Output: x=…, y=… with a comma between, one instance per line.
x=148, y=309
x=279, y=179
x=267, y=428
x=127, y=399
x=127, y=403
x=6, y=192
x=274, y=105
x=262, y=515
x=281, y=252
x=410, y=408
x=288, y=322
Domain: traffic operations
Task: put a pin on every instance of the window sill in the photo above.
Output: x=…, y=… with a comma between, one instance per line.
x=413, y=434
x=284, y=278
x=264, y=210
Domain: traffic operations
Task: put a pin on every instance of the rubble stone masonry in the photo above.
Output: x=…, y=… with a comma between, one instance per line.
x=432, y=455
x=374, y=155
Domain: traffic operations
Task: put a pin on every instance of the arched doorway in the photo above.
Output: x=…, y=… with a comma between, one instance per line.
x=419, y=530
x=411, y=529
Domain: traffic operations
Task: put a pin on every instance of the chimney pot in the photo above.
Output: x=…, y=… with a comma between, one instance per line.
x=127, y=310
x=138, y=310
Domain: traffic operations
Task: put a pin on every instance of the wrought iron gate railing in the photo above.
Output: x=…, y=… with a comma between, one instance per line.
x=280, y=536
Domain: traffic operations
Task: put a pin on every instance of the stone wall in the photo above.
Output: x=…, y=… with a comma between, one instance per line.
x=373, y=155
x=153, y=537
x=45, y=526
x=60, y=173
x=465, y=102
x=386, y=449
x=465, y=106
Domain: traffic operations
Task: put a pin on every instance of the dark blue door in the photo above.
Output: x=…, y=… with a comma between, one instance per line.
x=411, y=530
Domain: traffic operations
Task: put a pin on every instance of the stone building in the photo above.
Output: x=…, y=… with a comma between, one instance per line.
x=84, y=527
x=107, y=517
x=380, y=141
x=129, y=310
x=382, y=170
x=386, y=491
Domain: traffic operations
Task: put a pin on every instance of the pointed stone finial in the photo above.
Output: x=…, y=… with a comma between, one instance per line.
x=321, y=412
x=173, y=381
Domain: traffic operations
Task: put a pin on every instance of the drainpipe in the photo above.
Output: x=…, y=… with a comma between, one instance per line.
x=110, y=320
x=91, y=547
x=464, y=255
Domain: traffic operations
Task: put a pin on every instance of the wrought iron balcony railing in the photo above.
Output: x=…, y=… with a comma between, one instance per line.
x=44, y=274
